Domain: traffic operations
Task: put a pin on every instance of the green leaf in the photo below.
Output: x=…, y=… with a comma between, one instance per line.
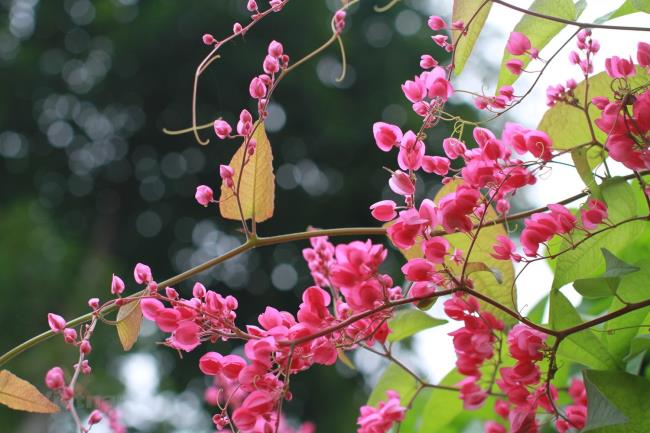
x=639, y=344
x=642, y=5
x=567, y=125
x=482, y=267
x=607, y=284
x=586, y=260
x=601, y=412
x=581, y=5
x=633, y=366
x=628, y=394
x=410, y=322
x=582, y=347
x=539, y=31
x=583, y=167
x=626, y=8
x=442, y=406
x=397, y=379
x=129, y=319
x=502, y=289
x=466, y=11
x=536, y=314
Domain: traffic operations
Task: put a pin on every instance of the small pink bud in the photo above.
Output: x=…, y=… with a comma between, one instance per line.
x=85, y=367
x=117, y=285
x=401, y=183
x=85, y=347
x=384, y=210
x=70, y=335
x=275, y=49
x=257, y=88
x=518, y=44
x=142, y=273
x=204, y=195
x=237, y=28
x=440, y=40
x=56, y=322
x=339, y=21
x=198, y=291
x=208, y=39
x=251, y=5
x=171, y=293
x=427, y=62
x=436, y=23
x=95, y=417
x=252, y=145
x=54, y=378
x=271, y=65
x=222, y=129
x=515, y=66
x=226, y=172
x=458, y=25
x=93, y=303
x=67, y=393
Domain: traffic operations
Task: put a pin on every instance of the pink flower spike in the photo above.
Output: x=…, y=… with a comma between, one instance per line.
x=643, y=54
x=222, y=129
x=515, y=66
x=142, y=274
x=384, y=210
x=56, y=322
x=208, y=39
x=54, y=378
x=518, y=44
x=386, y=135
x=117, y=285
x=401, y=183
x=436, y=23
x=204, y=195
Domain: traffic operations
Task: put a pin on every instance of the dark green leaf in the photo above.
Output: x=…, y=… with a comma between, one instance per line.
x=600, y=287
x=601, y=412
x=410, y=322
x=628, y=394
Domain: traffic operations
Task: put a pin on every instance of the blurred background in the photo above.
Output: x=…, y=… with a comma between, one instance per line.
x=91, y=185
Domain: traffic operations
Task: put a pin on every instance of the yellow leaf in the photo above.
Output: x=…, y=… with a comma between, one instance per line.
x=466, y=11
x=129, y=318
x=19, y=394
x=257, y=187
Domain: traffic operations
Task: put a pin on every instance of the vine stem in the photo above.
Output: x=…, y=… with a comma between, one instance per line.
x=254, y=242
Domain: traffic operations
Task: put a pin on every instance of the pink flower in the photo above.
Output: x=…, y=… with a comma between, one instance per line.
x=245, y=124
x=504, y=249
x=275, y=49
x=151, y=307
x=501, y=408
x=566, y=221
x=401, y=183
x=435, y=249
x=208, y=39
x=384, y=210
x=56, y=322
x=117, y=285
x=70, y=335
x=518, y=44
x=643, y=54
x=221, y=128
x=436, y=164
x=270, y=65
x=440, y=40
x=257, y=88
x=515, y=66
x=411, y=152
x=95, y=417
x=595, y=213
x=619, y=68
x=204, y=195
x=418, y=270
x=406, y=228
x=198, y=291
x=525, y=344
x=226, y=173
x=186, y=336
x=142, y=274
x=472, y=395
x=386, y=135
x=415, y=91
x=54, y=378
x=494, y=427
x=539, y=144
x=381, y=418
x=436, y=23
x=427, y=62
x=453, y=147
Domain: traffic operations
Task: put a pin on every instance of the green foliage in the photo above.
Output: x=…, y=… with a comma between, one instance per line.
x=410, y=322
x=627, y=8
x=397, y=379
x=606, y=284
x=466, y=11
x=442, y=407
x=539, y=31
x=586, y=260
x=583, y=347
x=616, y=396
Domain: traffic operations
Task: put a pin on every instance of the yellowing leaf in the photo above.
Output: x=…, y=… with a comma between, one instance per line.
x=466, y=10
x=257, y=187
x=129, y=319
x=19, y=394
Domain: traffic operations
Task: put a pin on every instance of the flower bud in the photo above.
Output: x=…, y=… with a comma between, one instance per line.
x=56, y=322
x=117, y=285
